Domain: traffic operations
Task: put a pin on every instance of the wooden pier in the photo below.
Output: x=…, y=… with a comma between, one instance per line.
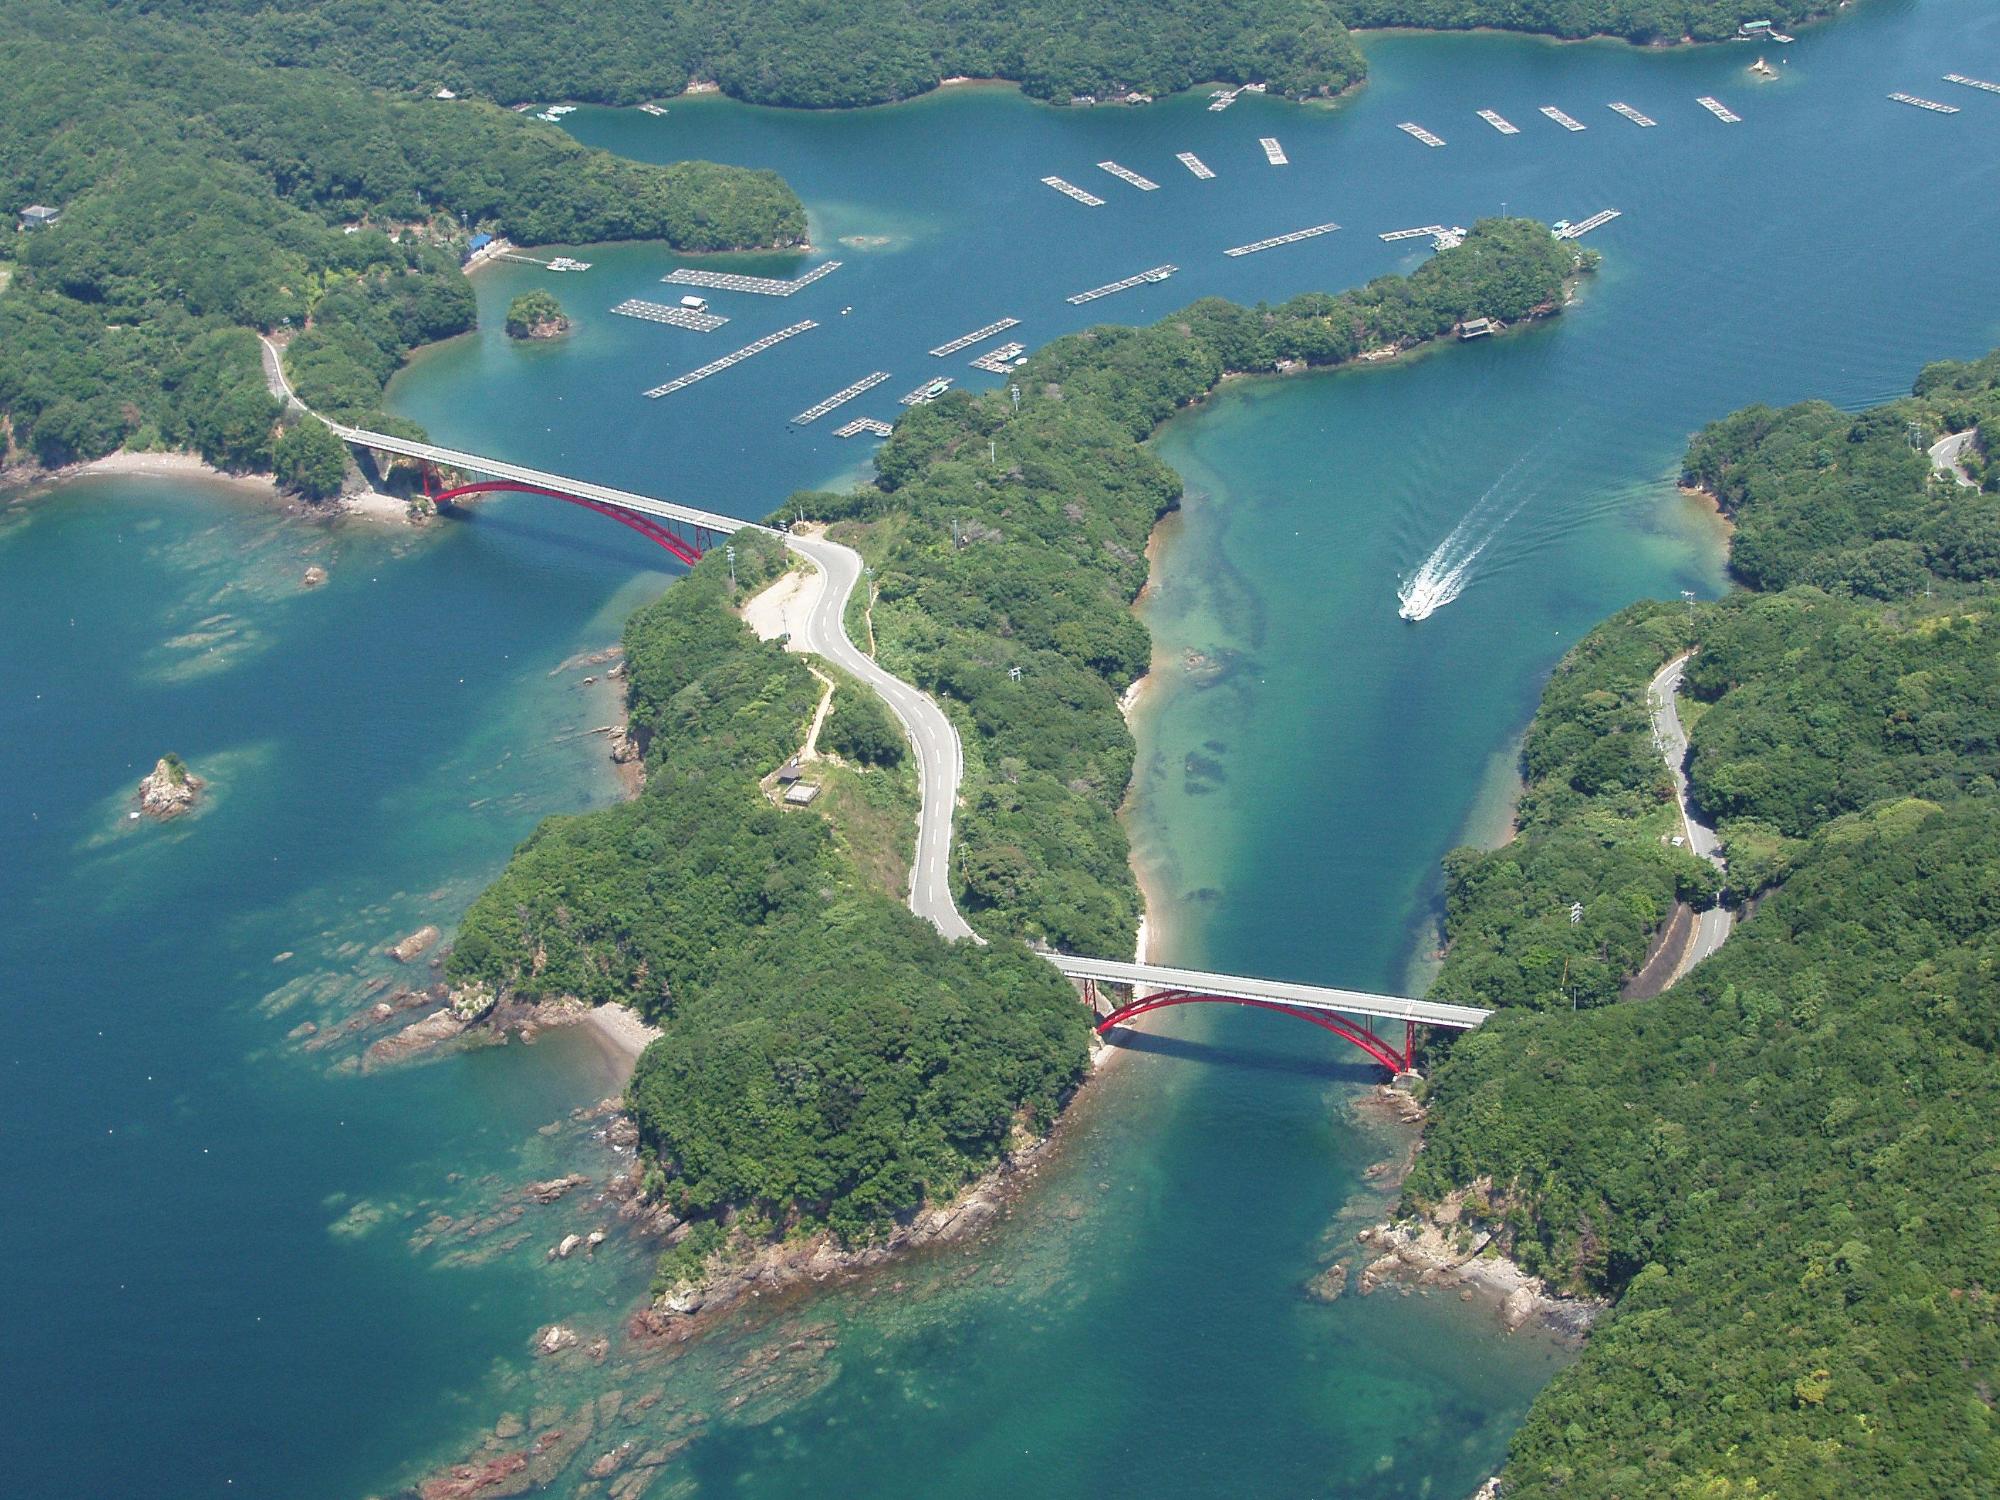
x=967, y=340
x=1499, y=122
x=1071, y=190
x=1158, y=273
x=1410, y=128
x=1568, y=122
x=1720, y=110
x=1194, y=164
x=926, y=393
x=1282, y=239
x=1972, y=83
x=1126, y=174
x=840, y=397
x=1421, y=232
x=1273, y=152
x=1595, y=221
x=682, y=382
x=666, y=312
x=1930, y=104
x=1633, y=115
x=863, y=424
x=999, y=361
x=763, y=286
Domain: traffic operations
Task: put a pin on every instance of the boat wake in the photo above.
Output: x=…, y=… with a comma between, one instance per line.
x=1443, y=575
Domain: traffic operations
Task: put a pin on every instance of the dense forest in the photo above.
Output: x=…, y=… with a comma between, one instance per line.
x=1635, y=20
x=1008, y=548
x=828, y=1059
x=203, y=198
x=792, y=52
x=1784, y=1168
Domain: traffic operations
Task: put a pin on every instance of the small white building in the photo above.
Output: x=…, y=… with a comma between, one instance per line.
x=39, y=216
x=695, y=304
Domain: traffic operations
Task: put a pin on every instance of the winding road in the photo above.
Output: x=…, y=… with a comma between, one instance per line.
x=940, y=758
x=1948, y=452
x=1711, y=927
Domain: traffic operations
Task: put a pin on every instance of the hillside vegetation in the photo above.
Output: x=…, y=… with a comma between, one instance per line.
x=203, y=198
x=1634, y=20
x=1784, y=1169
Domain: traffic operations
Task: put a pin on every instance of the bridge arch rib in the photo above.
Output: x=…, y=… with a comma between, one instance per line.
x=1382, y=1051
x=687, y=551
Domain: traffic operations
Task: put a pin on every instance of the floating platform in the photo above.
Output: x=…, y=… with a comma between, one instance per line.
x=1568, y=122
x=682, y=382
x=999, y=361
x=564, y=263
x=1273, y=152
x=967, y=340
x=1930, y=104
x=1283, y=239
x=1424, y=231
x=864, y=424
x=763, y=286
x=1634, y=116
x=926, y=393
x=666, y=312
x=845, y=394
x=1595, y=221
x=651, y=109
x=1720, y=110
x=1221, y=99
x=1410, y=128
x=1972, y=83
x=1126, y=174
x=1071, y=190
x=1194, y=164
x=1158, y=273
x=1498, y=121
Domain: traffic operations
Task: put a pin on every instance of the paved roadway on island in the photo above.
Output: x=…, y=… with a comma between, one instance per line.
x=940, y=758
x=1948, y=452
x=1711, y=927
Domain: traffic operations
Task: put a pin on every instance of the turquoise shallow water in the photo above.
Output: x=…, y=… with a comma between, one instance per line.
x=215, y=1290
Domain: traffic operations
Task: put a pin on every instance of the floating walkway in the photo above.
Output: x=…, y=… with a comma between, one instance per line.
x=1930, y=104
x=999, y=361
x=1126, y=174
x=840, y=397
x=1422, y=232
x=666, y=312
x=1972, y=83
x=1412, y=129
x=1158, y=273
x=1720, y=110
x=682, y=382
x=1221, y=99
x=966, y=341
x=1283, y=239
x=763, y=286
x=1568, y=122
x=1595, y=221
x=1634, y=116
x=1273, y=152
x=1194, y=164
x=863, y=424
x=926, y=393
x=1497, y=121
x=1071, y=190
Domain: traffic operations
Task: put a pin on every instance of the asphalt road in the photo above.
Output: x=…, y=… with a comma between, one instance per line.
x=1948, y=452
x=940, y=760
x=1711, y=927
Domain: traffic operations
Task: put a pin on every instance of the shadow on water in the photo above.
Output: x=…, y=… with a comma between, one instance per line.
x=1220, y=1055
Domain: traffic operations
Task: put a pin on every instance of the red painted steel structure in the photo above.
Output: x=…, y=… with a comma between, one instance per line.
x=687, y=551
x=1382, y=1051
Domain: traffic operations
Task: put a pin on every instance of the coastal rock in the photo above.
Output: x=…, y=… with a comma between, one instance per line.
x=414, y=945
x=566, y=1248
x=467, y=1481
x=554, y=1187
x=418, y=1036
x=471, y=1000
x=554, y=1339
x=169, y=790
x=314, y=577
x=1329, y=1284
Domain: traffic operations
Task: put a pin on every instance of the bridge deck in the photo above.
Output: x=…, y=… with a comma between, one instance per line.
x=1238, y=987
x=451, y=458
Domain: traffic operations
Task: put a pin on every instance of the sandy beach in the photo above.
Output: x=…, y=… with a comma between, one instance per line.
x=621, y=1035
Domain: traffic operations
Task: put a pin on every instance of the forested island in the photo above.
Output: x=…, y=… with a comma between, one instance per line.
x=827, y=1062
x=1645, y=21
x=203, y=198
x=1782, y=1168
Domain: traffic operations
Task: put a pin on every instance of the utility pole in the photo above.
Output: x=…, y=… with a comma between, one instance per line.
x=1015, y=392
x=954, y=531
x=1688, y=594
x=992, y=453
x=730, y=553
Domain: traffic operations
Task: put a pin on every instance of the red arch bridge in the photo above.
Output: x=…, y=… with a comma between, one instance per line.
x=684, y=530
x=1356, y=1016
